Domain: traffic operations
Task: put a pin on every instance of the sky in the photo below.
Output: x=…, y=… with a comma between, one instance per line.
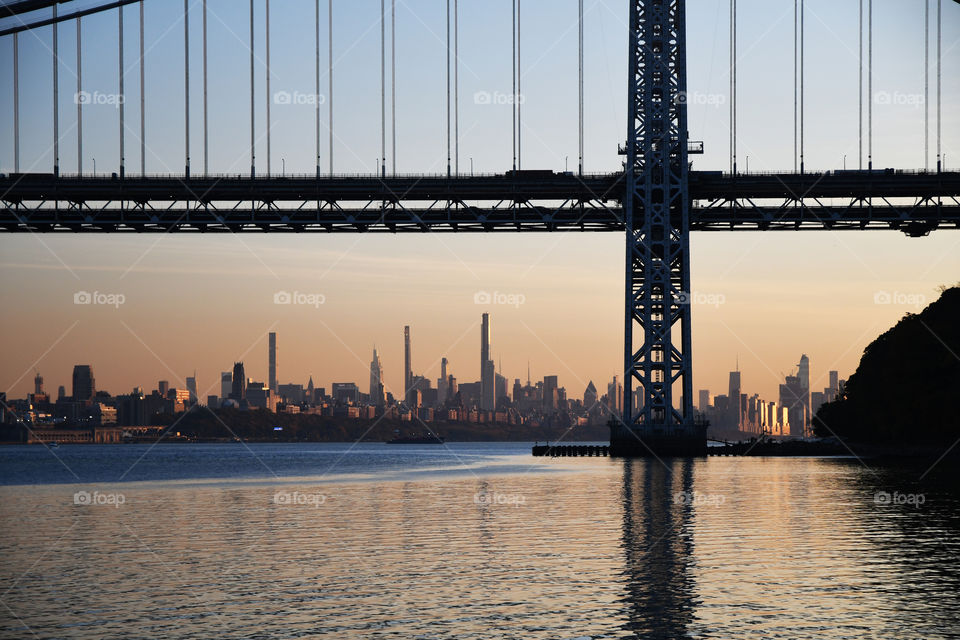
x=201, y=303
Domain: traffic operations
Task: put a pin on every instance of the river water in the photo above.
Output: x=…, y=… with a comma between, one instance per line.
x=468, y=541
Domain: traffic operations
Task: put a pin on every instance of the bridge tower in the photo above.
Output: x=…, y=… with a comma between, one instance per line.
x=657, y=215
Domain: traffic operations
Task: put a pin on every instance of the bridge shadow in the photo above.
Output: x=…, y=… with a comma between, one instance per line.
x=659, y=600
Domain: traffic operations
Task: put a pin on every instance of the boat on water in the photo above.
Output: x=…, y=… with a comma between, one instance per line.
x=427, y=439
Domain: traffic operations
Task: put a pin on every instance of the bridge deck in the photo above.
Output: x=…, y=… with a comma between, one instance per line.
x=525, y=201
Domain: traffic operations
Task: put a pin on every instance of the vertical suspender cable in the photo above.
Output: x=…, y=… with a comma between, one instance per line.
x=206, y=121
x=519, y=93
x=926, y=85
x=456, y=87
x=143, y=103
x=860, y=87
x=939, y=38
x=383, y=89
x=79, y=99
x=796, y=84
x=56, y=97
x=803, y=102
x=16, y=103
x=393, y=83
x=513, y=65
x=448, y=88
x=316, y=91
x=580, y=74
x=123, y=99
x=269, y=99
x=733, y=87
x=870, y=84
x=253, y=106
x=330, y=76
x=186, y=85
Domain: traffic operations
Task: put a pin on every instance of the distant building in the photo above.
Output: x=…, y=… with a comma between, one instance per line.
x=589, y=397
x=735, y=413
x=238, y=390
x=346, y=393
x=376, y=380
x=226, y=384
x=84, y=386
x=407, y=365
x=550, y=385
x=792, y=396
x=704, y=404
x=443, y=384
x=38, y=384
x=615, y=396
x=272, y=363
x=163, y=388
x=259, y=396
x=192, y=389
x=488, y=392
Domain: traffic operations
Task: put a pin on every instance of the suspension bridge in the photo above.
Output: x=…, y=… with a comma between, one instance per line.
x=655, y=201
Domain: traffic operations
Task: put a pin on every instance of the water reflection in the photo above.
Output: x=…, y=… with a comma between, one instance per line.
x=657, y=547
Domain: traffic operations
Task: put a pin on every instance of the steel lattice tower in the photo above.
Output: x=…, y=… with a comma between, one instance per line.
x=657, y=209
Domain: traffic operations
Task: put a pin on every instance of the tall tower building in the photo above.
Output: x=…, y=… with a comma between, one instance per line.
x=272, y=375
x=442, y=384
x=804, y=375
x=38, y=384
x=488, y=392
x=226, y=384
x=734, y=408
x=590, y=397
x=376, y=380
x=192, y=388
x=84, y=387
x=407, y=366
x=704, y=400
x=238, y=391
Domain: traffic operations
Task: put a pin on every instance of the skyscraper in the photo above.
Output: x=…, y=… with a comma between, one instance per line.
x=804, y=375
x=239, y=389
x=407, y=366
x=376, y=380
x=84, y=386
x=488, y=392
x=38, y=384
x=550, y=386
x=442, y=384
x=192, y=388
x=704, y=400
x=590, y=397
x=226, y=384
x=615, y=396
x=734, y=409
x=272, y=373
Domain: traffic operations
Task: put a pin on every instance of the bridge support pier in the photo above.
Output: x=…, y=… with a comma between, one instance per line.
x=657, y=216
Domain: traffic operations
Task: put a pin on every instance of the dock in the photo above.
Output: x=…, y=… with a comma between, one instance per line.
x=571, y=450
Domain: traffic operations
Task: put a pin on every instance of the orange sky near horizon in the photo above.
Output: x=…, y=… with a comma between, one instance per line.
x=201, y=303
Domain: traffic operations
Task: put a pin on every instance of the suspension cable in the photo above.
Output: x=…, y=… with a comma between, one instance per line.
x=120, y=82
x=56, y=98
x=186, y=85
x=143, y=102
